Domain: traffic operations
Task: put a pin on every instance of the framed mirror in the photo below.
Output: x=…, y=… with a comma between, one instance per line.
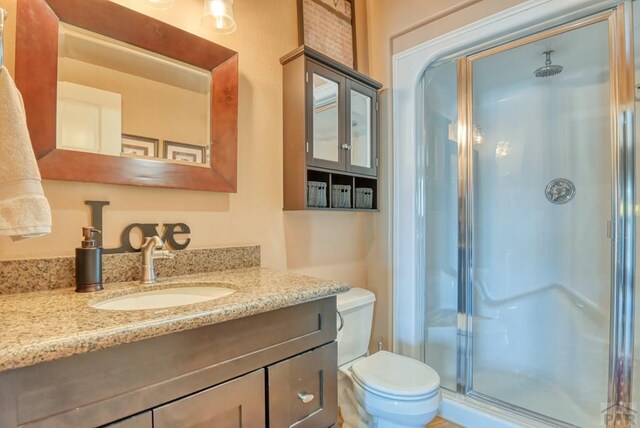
x=115, y=96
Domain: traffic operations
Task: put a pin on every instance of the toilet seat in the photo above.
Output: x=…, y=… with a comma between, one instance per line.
x=396, y=377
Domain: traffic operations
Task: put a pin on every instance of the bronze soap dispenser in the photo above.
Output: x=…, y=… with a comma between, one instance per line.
x=89, y=262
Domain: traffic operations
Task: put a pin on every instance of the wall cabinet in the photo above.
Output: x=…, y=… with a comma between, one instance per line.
x=281, y=363
x=330, y=134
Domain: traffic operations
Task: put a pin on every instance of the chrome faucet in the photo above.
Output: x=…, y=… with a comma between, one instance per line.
x=151, y=250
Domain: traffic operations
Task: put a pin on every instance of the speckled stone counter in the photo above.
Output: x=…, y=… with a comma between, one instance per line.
x=28, y=275
x=48, y=325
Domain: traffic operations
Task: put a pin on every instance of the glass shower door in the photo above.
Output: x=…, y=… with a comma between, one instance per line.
x=541, y=199
x=438, y=155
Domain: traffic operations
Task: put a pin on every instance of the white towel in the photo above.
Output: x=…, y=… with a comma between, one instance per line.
x=24, y=210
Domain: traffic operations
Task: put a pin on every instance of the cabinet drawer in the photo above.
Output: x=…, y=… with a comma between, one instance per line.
x=234, y=404
x=303, y=389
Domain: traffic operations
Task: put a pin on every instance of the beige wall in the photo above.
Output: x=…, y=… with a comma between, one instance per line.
x=393, y=27
x=355, y=247
x=324, y=244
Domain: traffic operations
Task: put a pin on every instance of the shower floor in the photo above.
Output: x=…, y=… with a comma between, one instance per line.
x=538, y=395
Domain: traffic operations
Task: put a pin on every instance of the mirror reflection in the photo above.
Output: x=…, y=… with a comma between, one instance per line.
x=325, y=119
x=119, y=100
x=360, y=129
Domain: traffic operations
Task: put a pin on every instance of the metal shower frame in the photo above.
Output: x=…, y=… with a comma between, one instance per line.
x=620, y=24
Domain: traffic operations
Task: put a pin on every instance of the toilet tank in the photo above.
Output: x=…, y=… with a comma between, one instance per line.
x=356, y=308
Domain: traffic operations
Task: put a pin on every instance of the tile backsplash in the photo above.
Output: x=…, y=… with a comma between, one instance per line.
x=20, y=276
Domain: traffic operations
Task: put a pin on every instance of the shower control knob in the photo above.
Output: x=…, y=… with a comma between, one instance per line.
x=560, y=191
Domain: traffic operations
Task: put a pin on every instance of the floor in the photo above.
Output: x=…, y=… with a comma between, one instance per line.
x=442, y=423
x=438, y=422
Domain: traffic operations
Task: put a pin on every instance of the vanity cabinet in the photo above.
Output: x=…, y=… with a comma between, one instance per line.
x=330, y=134
x=298, y=389
x=299, y=392
x=275, y=369
x=237, y=403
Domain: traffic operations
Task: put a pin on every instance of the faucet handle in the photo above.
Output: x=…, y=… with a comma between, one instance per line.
x=163, y=254
x=158, y=245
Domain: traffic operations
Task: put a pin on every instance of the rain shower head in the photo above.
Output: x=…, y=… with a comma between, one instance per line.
x=548, y=69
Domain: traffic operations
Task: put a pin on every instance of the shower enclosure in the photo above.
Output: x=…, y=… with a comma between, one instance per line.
x=527, y=214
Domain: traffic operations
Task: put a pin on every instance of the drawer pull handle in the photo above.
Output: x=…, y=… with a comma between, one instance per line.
x=306, y=397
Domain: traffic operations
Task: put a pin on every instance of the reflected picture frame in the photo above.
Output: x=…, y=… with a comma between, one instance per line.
x=183, y=152
x=135, y=145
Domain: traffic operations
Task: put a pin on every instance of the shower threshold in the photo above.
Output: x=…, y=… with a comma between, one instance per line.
x=478, y=411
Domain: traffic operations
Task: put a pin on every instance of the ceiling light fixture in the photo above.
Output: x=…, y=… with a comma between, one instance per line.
x=219, y=15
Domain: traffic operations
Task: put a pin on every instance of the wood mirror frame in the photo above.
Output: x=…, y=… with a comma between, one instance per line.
x=36, y=71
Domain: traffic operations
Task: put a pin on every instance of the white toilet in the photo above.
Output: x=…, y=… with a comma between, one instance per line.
x=384, y=390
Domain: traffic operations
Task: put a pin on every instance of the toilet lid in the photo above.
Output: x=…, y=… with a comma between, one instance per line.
x=395, y=375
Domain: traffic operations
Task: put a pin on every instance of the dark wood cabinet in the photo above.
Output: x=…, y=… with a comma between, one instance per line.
x=223, y=375
x=300, y=391
x=234, y=404
x=330, y=134
x=303, y=389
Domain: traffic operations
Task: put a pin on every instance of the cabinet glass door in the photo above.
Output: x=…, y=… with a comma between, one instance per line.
x=361, y=150
x=327, y=118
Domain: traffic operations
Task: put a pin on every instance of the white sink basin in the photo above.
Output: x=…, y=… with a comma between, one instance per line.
x=166, y=298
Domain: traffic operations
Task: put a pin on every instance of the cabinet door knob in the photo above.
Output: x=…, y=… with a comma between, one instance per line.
x=346, y=147
x=306, y=397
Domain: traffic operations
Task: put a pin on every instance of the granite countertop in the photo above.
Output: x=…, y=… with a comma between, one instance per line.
x=47, y=325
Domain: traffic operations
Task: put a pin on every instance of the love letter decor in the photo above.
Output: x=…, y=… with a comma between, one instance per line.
x=169, y=232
